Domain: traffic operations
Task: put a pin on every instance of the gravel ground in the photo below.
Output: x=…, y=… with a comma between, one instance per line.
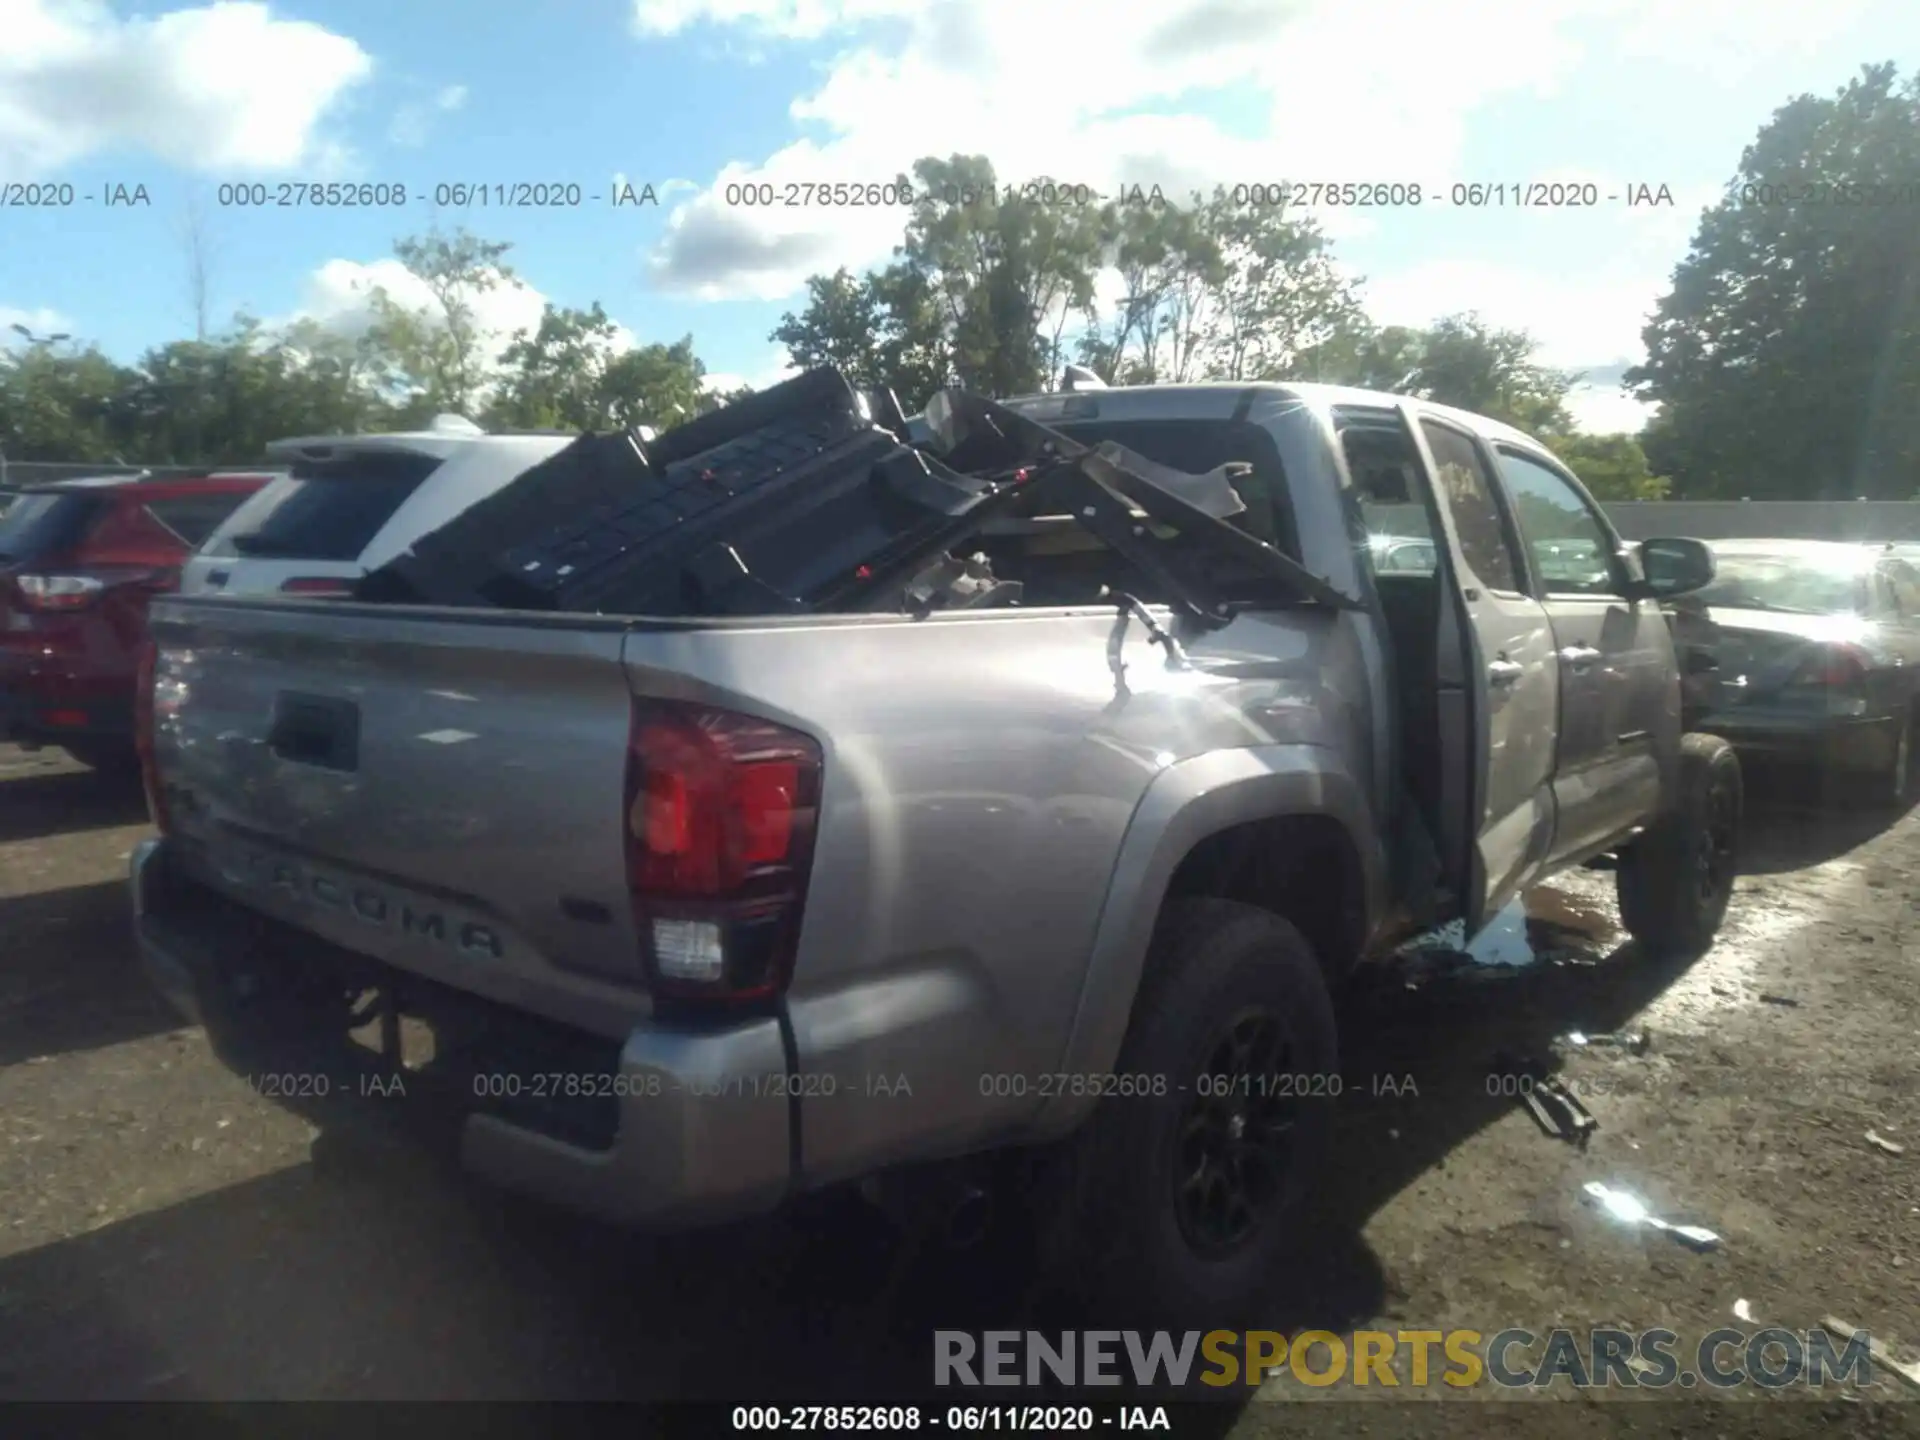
x=166, y=1234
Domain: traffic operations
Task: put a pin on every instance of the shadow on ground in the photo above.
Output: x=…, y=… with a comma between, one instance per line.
x=35, y=804
x=69, y=978
x=374, y=1272
x=1799, y=820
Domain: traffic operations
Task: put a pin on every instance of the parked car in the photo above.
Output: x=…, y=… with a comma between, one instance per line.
x=79, y=562
x=1819, y=648
x=350, y=503
x=710, y=906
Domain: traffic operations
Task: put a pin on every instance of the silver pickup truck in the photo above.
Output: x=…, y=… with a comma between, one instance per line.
x=689, y=915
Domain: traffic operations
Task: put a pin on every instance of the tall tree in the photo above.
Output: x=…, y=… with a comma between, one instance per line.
x=434, y=358
x=882, y=329
x=839, y=326
x=1278, y=299
x=1613, y=467
x=1169, y=265
x=62, y=402
x=1786, y=356
x=1459, y=360
x=1005, y=267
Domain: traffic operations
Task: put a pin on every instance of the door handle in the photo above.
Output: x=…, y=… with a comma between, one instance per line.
x=1505, y=672
x=1579, y=657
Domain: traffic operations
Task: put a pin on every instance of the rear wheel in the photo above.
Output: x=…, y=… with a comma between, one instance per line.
x=1676, y=880
x=1176, y=1206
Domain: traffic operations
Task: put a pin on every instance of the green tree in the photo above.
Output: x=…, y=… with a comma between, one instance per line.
x=883, y=329
x=572, y=373
x=1613, y=467
x=1278, y=297
x=62, y=402
x=1786, y=356
x=221, y=400
x=1460, y=360
x=840, y=326
x=1169, y=264
x=657, y=385
x=433, y=358
x=1004, y=271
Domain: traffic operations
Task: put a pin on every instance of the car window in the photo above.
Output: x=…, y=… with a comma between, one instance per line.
x=1387, y=485
x=1467, y=491
x=194, y=517
x=1788, y=582
x=1571, y=549
x=324, y=510
x=41, y=522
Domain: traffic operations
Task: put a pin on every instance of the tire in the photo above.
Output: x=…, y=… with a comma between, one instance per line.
x=1676, y=880
x=1118, y=1231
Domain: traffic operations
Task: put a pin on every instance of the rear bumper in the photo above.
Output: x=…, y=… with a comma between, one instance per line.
x=1856, y=744
x=44, y=709
x=669, y=1129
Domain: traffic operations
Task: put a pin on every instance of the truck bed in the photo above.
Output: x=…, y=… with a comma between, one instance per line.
x=980, y=772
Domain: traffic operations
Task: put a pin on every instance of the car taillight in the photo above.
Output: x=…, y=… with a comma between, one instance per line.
x=326, y=586
x=143, y=735
x=720, y=815
x=58, y=592
x=1832, y=667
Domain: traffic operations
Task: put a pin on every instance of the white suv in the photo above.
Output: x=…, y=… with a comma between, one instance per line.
x=350, y=503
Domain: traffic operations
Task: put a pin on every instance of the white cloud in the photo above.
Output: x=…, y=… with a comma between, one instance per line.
x=413, y=122
x=224, y=87
x=1607, y=409
x=775, y=369
x=1341, y=88
x=339, y=295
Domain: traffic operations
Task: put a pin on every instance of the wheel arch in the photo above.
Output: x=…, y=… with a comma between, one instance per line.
x=1218, y=824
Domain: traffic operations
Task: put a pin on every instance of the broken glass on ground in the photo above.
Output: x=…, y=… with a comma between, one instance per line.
x=1630, y=1209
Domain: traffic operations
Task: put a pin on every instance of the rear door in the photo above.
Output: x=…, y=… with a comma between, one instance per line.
x=1619, y=689
x=1510, y=683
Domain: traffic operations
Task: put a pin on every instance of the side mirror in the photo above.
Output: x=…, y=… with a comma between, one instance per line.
x=1670, y=567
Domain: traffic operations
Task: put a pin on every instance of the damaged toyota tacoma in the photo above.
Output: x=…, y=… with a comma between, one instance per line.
x=810, y=795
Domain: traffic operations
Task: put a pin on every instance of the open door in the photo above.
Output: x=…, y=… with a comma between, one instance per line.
x=1497, y=678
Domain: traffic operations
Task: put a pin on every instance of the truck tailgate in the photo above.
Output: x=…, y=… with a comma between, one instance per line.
x=442, y=791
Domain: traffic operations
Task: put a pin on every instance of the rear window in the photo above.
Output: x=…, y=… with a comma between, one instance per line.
x=41, y=522
x=194, y=517
x=327, y=510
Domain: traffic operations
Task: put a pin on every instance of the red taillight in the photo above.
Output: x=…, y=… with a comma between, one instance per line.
x=720, y=812
x=1833, y=667
x=331, y=586
x=64, y=719
x=143, y=735
x=48, y=593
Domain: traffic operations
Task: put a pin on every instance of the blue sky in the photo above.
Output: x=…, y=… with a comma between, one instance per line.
x=689, y=94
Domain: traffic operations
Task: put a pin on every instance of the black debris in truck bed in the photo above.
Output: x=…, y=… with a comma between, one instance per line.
x=767, y=505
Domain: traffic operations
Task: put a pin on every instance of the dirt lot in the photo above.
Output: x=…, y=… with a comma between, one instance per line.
x=166, y=1234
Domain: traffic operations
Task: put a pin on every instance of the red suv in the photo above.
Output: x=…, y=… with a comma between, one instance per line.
x=79, y=561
